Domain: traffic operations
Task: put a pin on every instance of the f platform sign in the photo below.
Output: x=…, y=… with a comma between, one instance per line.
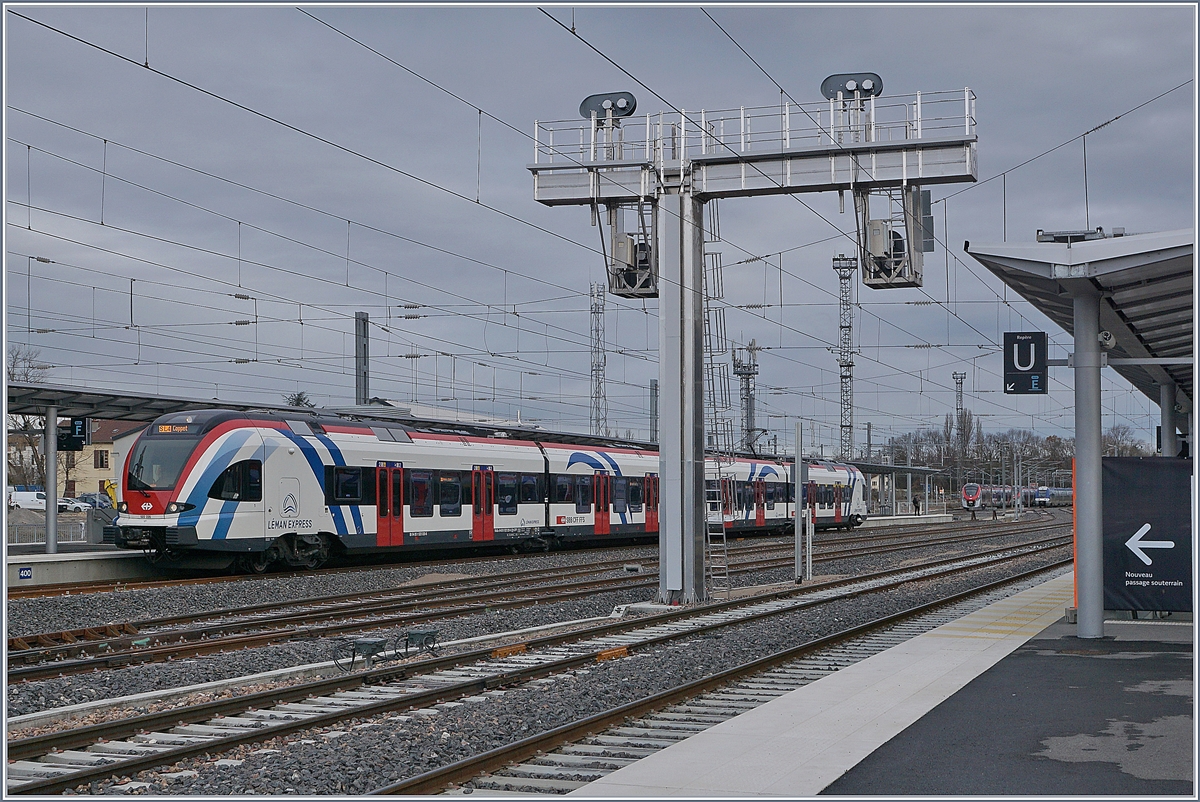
x=1147, y=533
x=1025, y=371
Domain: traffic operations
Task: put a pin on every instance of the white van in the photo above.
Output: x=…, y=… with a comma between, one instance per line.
x=36, y=500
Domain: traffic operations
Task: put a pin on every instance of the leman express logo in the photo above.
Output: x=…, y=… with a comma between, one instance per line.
x=290, y=506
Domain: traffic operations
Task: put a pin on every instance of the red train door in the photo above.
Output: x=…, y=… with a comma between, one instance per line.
x=651, y=502
x=760, y=503
x=602, y=484
x=727, y=495
x=483, y=504
x=389, y=504
x=837, y=504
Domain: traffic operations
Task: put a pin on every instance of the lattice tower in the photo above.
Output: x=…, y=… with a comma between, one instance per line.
x=845, y=267
x=746, y=368
x=599, y=400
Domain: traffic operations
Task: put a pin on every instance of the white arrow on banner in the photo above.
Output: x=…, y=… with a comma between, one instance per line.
x=1136, y=544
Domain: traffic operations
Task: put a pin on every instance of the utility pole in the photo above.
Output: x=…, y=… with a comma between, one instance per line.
x=362, y=358
x=746, y=369
x=599, y=401
x=845, y=267
x=654, y=410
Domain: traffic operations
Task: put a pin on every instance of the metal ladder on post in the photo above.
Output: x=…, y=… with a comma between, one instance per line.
x=717, y=552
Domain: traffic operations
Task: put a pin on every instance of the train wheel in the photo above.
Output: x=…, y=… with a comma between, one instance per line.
x=260, y=562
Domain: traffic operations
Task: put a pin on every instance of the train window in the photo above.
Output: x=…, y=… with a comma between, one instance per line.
x=419, y=485
x=583, y=494
x=241, y=481
x=343, y=485
x=769, y=491
x=397, y=493
x=531, y=489
x=506, y=495
x=635, y=495
x=381, y=476
x=450, y=494
x=620, y=494
x=564, y=489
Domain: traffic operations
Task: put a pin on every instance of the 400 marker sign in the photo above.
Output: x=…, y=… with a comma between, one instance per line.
x=1025, y=368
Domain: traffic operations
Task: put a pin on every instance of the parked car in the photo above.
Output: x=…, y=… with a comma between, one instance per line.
x=99, y=501
x=73, y=505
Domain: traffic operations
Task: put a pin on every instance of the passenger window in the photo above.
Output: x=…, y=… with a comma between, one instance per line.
x=530, y=492
x=635, y=495
x=620, y=489
x=564, y=489
x=241, y=481
x=583, y=494
x=420, y=504
x=506, y=496
x=450, y=494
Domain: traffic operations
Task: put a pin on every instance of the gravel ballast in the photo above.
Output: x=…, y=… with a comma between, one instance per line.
x=362, y=754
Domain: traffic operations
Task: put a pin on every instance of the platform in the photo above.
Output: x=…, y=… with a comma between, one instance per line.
x=77, y=566
x=877, y=521
x=1003, y=701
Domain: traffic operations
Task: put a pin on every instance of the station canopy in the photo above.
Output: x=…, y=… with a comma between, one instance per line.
x=1146, y=284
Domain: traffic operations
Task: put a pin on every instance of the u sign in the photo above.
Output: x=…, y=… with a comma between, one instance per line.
x=1025, y=370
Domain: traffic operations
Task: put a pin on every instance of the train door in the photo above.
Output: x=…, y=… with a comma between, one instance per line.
x=837, y=504
x=389, y=504
x=811, y=499
x=602, y=484
x=483, y=503
x=651, y=501
x=728, y=487
x=760, y=502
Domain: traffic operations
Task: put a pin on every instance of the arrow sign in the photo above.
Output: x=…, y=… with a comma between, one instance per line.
x=1010, y=387
x=1136, y=544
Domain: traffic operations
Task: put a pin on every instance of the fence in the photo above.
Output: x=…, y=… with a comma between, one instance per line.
x=75, y=532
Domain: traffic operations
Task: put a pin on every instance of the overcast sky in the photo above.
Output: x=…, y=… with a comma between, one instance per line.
x=346, y=180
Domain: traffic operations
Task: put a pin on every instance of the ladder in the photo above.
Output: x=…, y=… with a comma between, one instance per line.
x=717, y=558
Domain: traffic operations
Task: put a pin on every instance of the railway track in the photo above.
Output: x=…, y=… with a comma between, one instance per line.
x=83, y=588
x=60, y=761
x=152, y=640
x=570, y=757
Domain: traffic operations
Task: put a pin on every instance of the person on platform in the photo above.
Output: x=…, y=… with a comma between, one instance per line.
x=916, y=500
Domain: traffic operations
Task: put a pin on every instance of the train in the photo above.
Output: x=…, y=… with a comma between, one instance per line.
x=980, y=496
x=264, y=489
x=1054, y=497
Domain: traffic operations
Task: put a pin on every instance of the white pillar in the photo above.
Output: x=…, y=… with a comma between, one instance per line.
x=682, y=520
x=1089, y=535
x=50, y=436
x=1166, y=404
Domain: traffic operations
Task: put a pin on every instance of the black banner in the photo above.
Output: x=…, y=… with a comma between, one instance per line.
x=1147, y=534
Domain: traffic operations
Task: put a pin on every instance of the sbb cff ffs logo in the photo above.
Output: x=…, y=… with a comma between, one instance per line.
x=1025, y=368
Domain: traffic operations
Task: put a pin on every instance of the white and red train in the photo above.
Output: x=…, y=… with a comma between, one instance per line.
x=266, y=488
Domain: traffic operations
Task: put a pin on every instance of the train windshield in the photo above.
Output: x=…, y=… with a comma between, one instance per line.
x=155, y=464
x=970, y=490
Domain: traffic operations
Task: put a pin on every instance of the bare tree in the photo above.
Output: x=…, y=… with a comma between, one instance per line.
x=25, y=465
x=1120, y=441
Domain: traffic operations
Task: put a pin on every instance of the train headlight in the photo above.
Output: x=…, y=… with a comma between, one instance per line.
x=179, y=506
x=122, y=506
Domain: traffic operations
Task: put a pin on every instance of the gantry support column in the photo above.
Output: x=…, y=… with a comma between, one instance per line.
x=1089, y=536
x=682, y=522
x=1166, y=403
